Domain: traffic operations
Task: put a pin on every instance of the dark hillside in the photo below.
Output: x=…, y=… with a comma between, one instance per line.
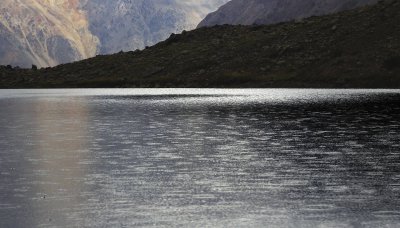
x=357, y=48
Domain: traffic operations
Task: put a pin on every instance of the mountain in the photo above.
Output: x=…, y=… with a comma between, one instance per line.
x=51, y=32
x=359, y=48
x=132, y=24
x=248, y=12
x=44, y=32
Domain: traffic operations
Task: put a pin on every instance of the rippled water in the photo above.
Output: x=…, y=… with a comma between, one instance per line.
x=200, y=158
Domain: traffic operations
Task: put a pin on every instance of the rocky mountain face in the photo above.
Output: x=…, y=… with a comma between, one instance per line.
x=359, y=48
x=51, y=32
x=133, y=24
x=44, y=32
x=247, y=12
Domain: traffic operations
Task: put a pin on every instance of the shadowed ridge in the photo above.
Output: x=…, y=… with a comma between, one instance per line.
x=248, y=12
x=357, y=48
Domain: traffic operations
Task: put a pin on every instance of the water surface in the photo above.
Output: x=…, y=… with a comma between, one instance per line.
x=199, y=158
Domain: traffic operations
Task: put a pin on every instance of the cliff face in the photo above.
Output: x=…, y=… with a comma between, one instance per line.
x=44, y=33
x=50, y=32
x=247, y=12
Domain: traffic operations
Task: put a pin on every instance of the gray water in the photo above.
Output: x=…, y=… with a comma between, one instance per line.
x=199, y=158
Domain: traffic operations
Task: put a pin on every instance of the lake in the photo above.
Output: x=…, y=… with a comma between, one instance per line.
x=199, y=158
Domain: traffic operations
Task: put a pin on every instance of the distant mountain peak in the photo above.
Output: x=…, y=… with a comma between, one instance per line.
x=247, y=12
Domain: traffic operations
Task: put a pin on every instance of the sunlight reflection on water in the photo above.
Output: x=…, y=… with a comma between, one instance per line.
x=219, y=158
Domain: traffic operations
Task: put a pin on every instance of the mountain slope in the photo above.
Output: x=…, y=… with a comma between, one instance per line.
x=44, y=32
x=357, y=48
x=134, y=24
x=50, y=32
x=247, y=12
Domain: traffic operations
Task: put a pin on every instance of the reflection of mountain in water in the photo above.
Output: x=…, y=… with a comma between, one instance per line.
x=52, y=164
x=212, y=161
x=60, y=154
